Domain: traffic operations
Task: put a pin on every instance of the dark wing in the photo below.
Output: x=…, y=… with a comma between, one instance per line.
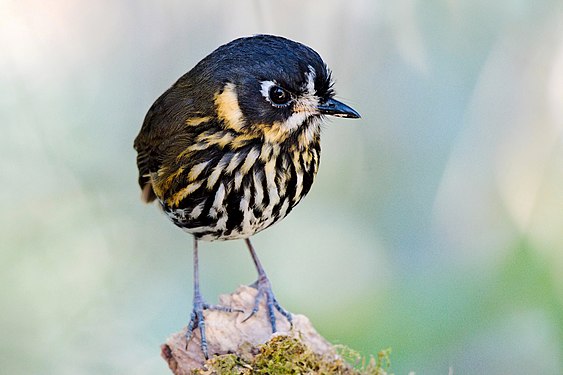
x=168, y=129
x=162, y=129
x=148, y=158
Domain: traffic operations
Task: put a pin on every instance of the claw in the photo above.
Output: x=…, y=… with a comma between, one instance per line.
x=265, y=289
x=197, y=320
x=220, y=308
x=196, y=317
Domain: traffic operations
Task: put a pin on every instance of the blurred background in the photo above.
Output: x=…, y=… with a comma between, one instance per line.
x=435, y=226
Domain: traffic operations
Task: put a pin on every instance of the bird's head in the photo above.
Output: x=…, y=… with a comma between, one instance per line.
x=271, y=87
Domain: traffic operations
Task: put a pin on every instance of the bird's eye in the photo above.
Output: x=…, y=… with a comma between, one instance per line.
x=279, y=96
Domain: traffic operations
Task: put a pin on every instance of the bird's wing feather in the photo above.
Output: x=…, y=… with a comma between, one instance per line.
x=166, y=131
x=148, y=158
x=159, y=128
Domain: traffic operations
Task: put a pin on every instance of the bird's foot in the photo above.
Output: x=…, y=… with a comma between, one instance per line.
x=197, y=320
x=265, y=290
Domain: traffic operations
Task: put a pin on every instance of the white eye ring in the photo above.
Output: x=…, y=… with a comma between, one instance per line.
x=269, y=90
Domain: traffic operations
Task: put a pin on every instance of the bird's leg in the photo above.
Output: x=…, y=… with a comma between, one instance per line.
x=196, y=317
x=265, y=289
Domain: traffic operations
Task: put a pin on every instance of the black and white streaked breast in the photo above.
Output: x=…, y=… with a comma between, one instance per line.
x=241, y=192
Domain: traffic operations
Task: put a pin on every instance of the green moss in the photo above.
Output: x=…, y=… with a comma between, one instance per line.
x=225, y=364
x=366, y=365
x=288, y=355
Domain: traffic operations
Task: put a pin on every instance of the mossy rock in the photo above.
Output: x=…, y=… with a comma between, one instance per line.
x=288, y=355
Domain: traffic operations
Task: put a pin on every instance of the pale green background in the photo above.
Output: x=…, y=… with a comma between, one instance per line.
x=435, y=226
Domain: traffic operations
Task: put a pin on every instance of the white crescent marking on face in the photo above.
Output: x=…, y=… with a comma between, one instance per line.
x=265, y=89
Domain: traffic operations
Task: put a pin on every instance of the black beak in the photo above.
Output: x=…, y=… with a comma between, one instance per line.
x=333, y=107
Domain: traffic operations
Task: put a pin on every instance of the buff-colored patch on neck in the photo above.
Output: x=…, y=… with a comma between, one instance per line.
x=228, y=110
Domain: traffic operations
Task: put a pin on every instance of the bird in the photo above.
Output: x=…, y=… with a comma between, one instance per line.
x=234, y=145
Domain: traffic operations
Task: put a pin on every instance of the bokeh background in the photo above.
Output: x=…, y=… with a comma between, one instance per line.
x=435, y=226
